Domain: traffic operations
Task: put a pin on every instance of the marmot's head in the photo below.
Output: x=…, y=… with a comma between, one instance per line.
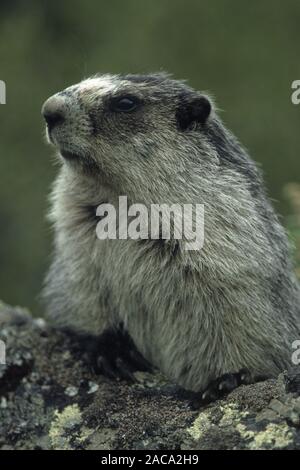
x=130, y=130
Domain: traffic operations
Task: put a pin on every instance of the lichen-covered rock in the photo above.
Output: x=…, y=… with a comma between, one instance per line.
x=51, y=399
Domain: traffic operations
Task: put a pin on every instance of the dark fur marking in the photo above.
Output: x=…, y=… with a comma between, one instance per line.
x=117, y=357
x=92, y=212
x=233, y=156
x=192, y=108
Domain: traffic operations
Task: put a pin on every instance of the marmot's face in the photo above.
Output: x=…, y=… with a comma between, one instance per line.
x=124, y=127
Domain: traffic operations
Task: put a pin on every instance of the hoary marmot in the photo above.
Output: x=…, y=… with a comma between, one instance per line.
x=212, y=316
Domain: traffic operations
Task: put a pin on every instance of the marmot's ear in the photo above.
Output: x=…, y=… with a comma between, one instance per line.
x=192, y=110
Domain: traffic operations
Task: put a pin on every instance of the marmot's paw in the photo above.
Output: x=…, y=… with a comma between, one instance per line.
x=220, y=387
x=116, y=356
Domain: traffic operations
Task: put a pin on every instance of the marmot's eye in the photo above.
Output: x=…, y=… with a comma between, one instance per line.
x=124, y=104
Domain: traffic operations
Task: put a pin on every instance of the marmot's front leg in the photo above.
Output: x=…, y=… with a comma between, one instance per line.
x=116, y=356
x=223, y=385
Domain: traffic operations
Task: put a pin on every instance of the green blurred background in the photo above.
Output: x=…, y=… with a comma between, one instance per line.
x=246, y=54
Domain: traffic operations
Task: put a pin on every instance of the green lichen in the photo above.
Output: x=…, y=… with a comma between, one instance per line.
x=275, y=436
x=231, y=414
x=200, y=426
x=244, y=432
x=64, y=422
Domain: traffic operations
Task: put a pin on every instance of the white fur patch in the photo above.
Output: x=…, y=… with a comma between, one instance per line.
x=103, y=85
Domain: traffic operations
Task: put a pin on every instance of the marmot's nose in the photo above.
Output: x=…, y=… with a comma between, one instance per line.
x=53, y=111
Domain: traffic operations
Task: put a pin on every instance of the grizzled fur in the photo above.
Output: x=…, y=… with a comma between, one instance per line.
x=194, y=314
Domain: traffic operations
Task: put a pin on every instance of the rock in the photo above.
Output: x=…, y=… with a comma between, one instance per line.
x=71, y=391
x=51, y=399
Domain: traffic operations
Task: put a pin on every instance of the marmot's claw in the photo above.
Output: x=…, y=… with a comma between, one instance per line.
x=139, y=361
x=220, y=387
x=115, y=369
x=117, y=358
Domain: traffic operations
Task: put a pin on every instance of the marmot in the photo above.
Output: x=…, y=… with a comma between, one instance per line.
x=198, y=316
